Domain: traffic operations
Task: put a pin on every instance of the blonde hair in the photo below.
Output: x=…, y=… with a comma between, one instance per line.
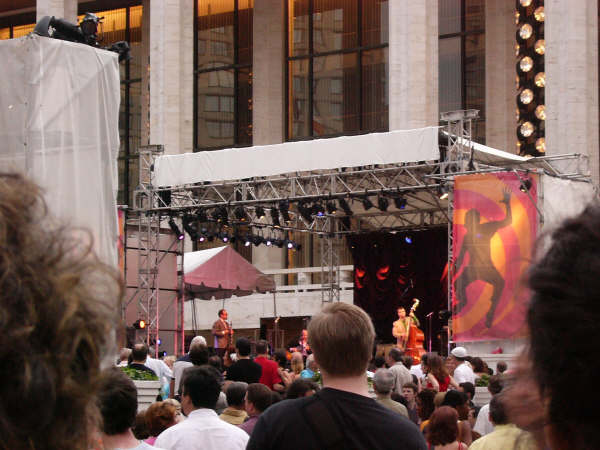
x=297, y=363
x=341, y=337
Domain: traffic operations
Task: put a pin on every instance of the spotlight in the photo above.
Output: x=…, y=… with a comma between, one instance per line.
x=540, y=145
x=260, y=212
x=318, y=210
x=526, y=129
x=284, y=207
x=202, y=239
x=331, y=208
x=525, y=185
x=189, y=227
x=382, y=203
x=344, y=205
x=540, y=46
x=247, y=241
x=139, y=324
x=540, y=112
x=367, y=204
x=408, y=239
x=221, y=215
x=400, y=202
x=268, y=242
x=240, y=214
x=257, y=239
x=540, y=79
x=526, y=96
x=278, y=242
x=224, y=236
x=524, y=32
x=275, y=217
x=443, y=192
x=175, y=229
x=526, y=64
x=289, y=244
x=539, y=14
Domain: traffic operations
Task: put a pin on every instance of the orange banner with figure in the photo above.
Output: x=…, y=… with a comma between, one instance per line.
x=494, y=231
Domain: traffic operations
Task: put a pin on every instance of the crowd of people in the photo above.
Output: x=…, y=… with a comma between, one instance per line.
x=62, y=390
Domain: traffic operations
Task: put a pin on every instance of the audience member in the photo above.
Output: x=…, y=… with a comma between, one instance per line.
x=235, y=413
x=463, y=371
x=124, y=354
x=479, y=367
x=383, y=381
x=501, y=367
x=185, y=361
x=269, y=376
x=160, y=416
x=301, y=388
x=459, y=401
x=275, y=397
x=139, y=354
x=164, y=373
x=341, y=337
x=436, y=375
x=244, y=369
x=117, y=401
x=443, y=430
x=469, y=389
x=202, y=429
x=58, y=308
x=311, y=368
x=483, y=425
x=296, y=367
x=169, y=361
x=505, y=434
x=409, y=392
x=378, y=362
x=425, y=406
x=140, y=427
x=398, y=370
x=258, y=399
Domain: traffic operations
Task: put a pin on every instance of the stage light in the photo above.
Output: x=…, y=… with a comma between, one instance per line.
x=247, y=241
x=240, y=214
x=344, y=205
x=540, y=145
x=289, y=244
x=539, y=14
x=260, y=212
x=367, y=204
x=400, y=202
x=221, y=215
x=526, y=96
x=175, y=229
x=139, y=324
x=525, y=185
x=517, y=17
x=201, y=216
x=540, y=46
x=224, y=236
x=202, y=239
x=275, y=217
x=526, y=129
x=526, y=64
x=382, y=203
x=189, y=227
x=305, y=212
x=278, y=242
x=268, y=242
x=318, y=209
x=540, y=112
x=443, y=192
x=540, y=79
x=257, y=240
x=408, y=239
x=525, y=31
x=284, y=207
x=517, y=49
x=331, y=208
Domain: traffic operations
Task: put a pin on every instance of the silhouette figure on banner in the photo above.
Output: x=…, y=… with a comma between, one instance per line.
x=480, y=266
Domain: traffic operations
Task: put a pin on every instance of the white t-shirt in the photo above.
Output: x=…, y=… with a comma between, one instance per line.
x=483, y=425
x=464, y=373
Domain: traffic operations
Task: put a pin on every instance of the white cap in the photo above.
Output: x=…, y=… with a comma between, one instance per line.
x=459, y=352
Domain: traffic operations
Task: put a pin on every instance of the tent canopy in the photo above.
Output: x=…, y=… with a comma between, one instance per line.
x=222, y=272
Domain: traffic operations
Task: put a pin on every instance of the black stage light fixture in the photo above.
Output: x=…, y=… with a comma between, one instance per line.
x=275, y=217
x=269, y=241
x=525, y=185
x=175, y=229
x=278, y=242
x=260, y=212
x=305, y=212
x=240, y=214
x=382, y=203
x=190, y=227
x=224, y=236
x=331, y=208
x=318, y=209
x=284, y=207
x=139, y=324
x=247, y=240
x=443, y=192
x=344, y=205
x=257, y=239
x=221, y=215
x=201, y=216
x=400, y=202
x=367, y=203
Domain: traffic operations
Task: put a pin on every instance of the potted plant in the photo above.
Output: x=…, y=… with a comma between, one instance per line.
x=147, y=385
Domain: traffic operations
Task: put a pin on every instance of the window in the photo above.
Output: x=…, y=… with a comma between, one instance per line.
x=223, y=74
x=462, y=59
x=337, y=80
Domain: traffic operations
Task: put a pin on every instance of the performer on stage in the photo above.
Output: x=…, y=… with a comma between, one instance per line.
x=222, y=332
x=402, y=327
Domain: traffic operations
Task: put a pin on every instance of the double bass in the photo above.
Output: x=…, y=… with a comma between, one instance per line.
x=416, y=337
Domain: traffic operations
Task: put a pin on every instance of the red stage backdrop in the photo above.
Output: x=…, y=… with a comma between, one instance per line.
x=495, y=228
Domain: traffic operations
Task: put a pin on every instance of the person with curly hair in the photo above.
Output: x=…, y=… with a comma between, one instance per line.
x=159, y=417
x=58, y=310
x=442, y=432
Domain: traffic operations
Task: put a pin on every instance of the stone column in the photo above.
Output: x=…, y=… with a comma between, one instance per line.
x=65, y=9
x=268, y=110
x=268, y=51
x=413, y=64
x=571, y=32
x=171, y=74
x=500, y=72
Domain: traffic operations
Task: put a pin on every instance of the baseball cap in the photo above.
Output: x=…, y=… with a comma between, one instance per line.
x=459, y=352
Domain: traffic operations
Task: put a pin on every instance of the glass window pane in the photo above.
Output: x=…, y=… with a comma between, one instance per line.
x=335, y=112
x=474, y=15
x=375, y=22
x=245, y=31
x=475, y=79
x=244, y=102
x=375, y=90
x=215, y=33
x=298, y=27
x=450, y=85
x=212, y=125
x=449, y=16
x=298, y=112
x=135, y=115
x=335, y=25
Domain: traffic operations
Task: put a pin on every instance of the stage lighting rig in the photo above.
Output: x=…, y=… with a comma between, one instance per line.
x=284, y=208
x=175, y=229
x=275, y=217
x=84, y=33
x=240, y=214
x=189, y=226
x=344, y=205
x=367, y=203
x=331, y=208
x=382, y=203
x=400, y=202
x=260, y=212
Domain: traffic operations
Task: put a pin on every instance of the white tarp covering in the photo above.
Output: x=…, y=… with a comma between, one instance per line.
x=59, y=112
x=562, y=199
x=319, y=154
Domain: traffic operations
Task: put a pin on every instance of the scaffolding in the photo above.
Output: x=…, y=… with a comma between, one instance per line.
x=421, y=193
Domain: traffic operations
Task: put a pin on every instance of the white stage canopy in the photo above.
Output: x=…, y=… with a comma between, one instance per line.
x=59, y=125
x=401, y=146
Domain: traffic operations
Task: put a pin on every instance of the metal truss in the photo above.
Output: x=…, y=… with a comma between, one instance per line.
x=330, y=265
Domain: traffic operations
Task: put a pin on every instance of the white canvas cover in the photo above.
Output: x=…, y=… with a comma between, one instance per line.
x=59, y=112
x=320, y=154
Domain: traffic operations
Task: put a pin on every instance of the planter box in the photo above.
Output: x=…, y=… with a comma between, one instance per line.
x=147, y=392
x=482, y=396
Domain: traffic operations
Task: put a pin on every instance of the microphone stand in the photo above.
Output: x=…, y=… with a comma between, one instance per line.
x=429, y=330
